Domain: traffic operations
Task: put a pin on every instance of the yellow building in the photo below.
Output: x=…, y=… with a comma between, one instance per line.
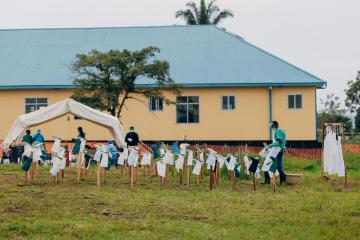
x=233, y=90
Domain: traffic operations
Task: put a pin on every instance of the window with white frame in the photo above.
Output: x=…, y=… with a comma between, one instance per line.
x=227, y=102
x=156, y=104
x=187, y=109
x=295, y=101
x=33, y=104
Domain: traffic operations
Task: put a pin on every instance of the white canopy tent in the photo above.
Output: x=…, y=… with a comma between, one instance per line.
x=59, y=109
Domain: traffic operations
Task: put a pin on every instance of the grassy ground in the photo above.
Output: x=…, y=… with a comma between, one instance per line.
x=311, y=210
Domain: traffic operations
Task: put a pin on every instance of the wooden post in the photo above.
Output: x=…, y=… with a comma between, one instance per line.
x=27, y=176
x=188, y=176
x=131, y=177
x=36, y=169
x=346, y=185
x=135, y=174
x=78, y=166
x=98, y=179
x=273, y=182
x=254, y=180
x=166, y=175
x=217, y=173
x=32, y=170
x=211, y=177
x=322, y=152
x=232, y=180
x=181, y=176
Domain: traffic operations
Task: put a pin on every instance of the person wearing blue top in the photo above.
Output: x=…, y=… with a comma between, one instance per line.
x=38, y=137
x=279, y=141
x=112, y=149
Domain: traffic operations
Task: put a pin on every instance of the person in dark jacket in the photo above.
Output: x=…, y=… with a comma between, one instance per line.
x=132, y=138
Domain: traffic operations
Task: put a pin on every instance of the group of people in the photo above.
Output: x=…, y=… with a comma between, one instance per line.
x=278, y=146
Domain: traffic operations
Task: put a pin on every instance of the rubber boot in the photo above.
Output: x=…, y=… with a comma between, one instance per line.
x=267, y=179
x=282, y=179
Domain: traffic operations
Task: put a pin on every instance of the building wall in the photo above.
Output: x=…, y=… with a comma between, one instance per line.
x=249, y=121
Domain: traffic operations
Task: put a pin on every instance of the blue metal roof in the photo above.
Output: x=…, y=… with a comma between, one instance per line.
x=199, y=56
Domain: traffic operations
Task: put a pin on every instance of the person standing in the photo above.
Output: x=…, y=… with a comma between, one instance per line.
x=27, y=138
x=113, y=151
x=132, y=138
x=81, y=135
x=38, y=137
x=279, y=141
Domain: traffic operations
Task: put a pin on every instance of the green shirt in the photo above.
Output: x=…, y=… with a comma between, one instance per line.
x=28, y=139
x=280, y=139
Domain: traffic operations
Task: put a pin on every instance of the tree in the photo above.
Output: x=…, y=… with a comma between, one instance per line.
x=106, y=80
x=357, y=120
x=353, y=94
x=203, y=14
x=333, y=113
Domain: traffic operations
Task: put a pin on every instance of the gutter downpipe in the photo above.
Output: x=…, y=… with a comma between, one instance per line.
x=270, y=109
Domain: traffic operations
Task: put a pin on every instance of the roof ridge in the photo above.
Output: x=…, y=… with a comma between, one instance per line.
x=103, y=27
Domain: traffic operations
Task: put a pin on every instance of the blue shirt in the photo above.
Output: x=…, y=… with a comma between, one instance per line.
x=112, y=149
x=38, y=137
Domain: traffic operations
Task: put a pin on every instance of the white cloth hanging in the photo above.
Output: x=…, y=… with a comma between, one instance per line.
x=146, y=159
x=37, y=152
x=268, y=160
x=221, y=160
x=82, y=145
x=56, y=145
x=97, y=156
x=197, y=169
x=28, y=150
x=211, y=160
x=201, y=156
x=169, y=157
x=333, y=154
x=179, y=163
x=161, y=168
x=104, y=163
x=123, y=156
x=190, y=158
x=231, y=164
x=247, y=164
x=133, y=158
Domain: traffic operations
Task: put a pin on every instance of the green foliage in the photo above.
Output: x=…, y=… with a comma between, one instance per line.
x=357, y=120
x=332, y=112
x=353, y=94
x=107, y=79
x=204, y=14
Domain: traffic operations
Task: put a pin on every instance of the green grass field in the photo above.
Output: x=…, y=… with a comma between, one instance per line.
x=312, y=210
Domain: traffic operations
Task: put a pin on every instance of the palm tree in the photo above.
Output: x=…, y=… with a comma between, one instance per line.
x=204, y=14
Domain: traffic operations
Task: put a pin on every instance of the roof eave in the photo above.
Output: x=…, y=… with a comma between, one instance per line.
x=188, y=85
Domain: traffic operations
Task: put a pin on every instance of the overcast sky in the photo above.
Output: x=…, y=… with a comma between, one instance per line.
x=320, y=36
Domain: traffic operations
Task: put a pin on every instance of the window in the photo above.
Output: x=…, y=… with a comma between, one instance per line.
x=33, y=104
x=228, y=102
x=156, y=104
x=187, y=109
x=295, y=101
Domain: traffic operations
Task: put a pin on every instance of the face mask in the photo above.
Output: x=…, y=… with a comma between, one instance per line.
x=131, y=130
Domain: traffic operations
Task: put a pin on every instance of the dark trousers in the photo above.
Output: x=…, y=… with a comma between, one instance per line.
x=279, y=159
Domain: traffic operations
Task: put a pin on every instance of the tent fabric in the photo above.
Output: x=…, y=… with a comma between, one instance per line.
x=59, y=109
